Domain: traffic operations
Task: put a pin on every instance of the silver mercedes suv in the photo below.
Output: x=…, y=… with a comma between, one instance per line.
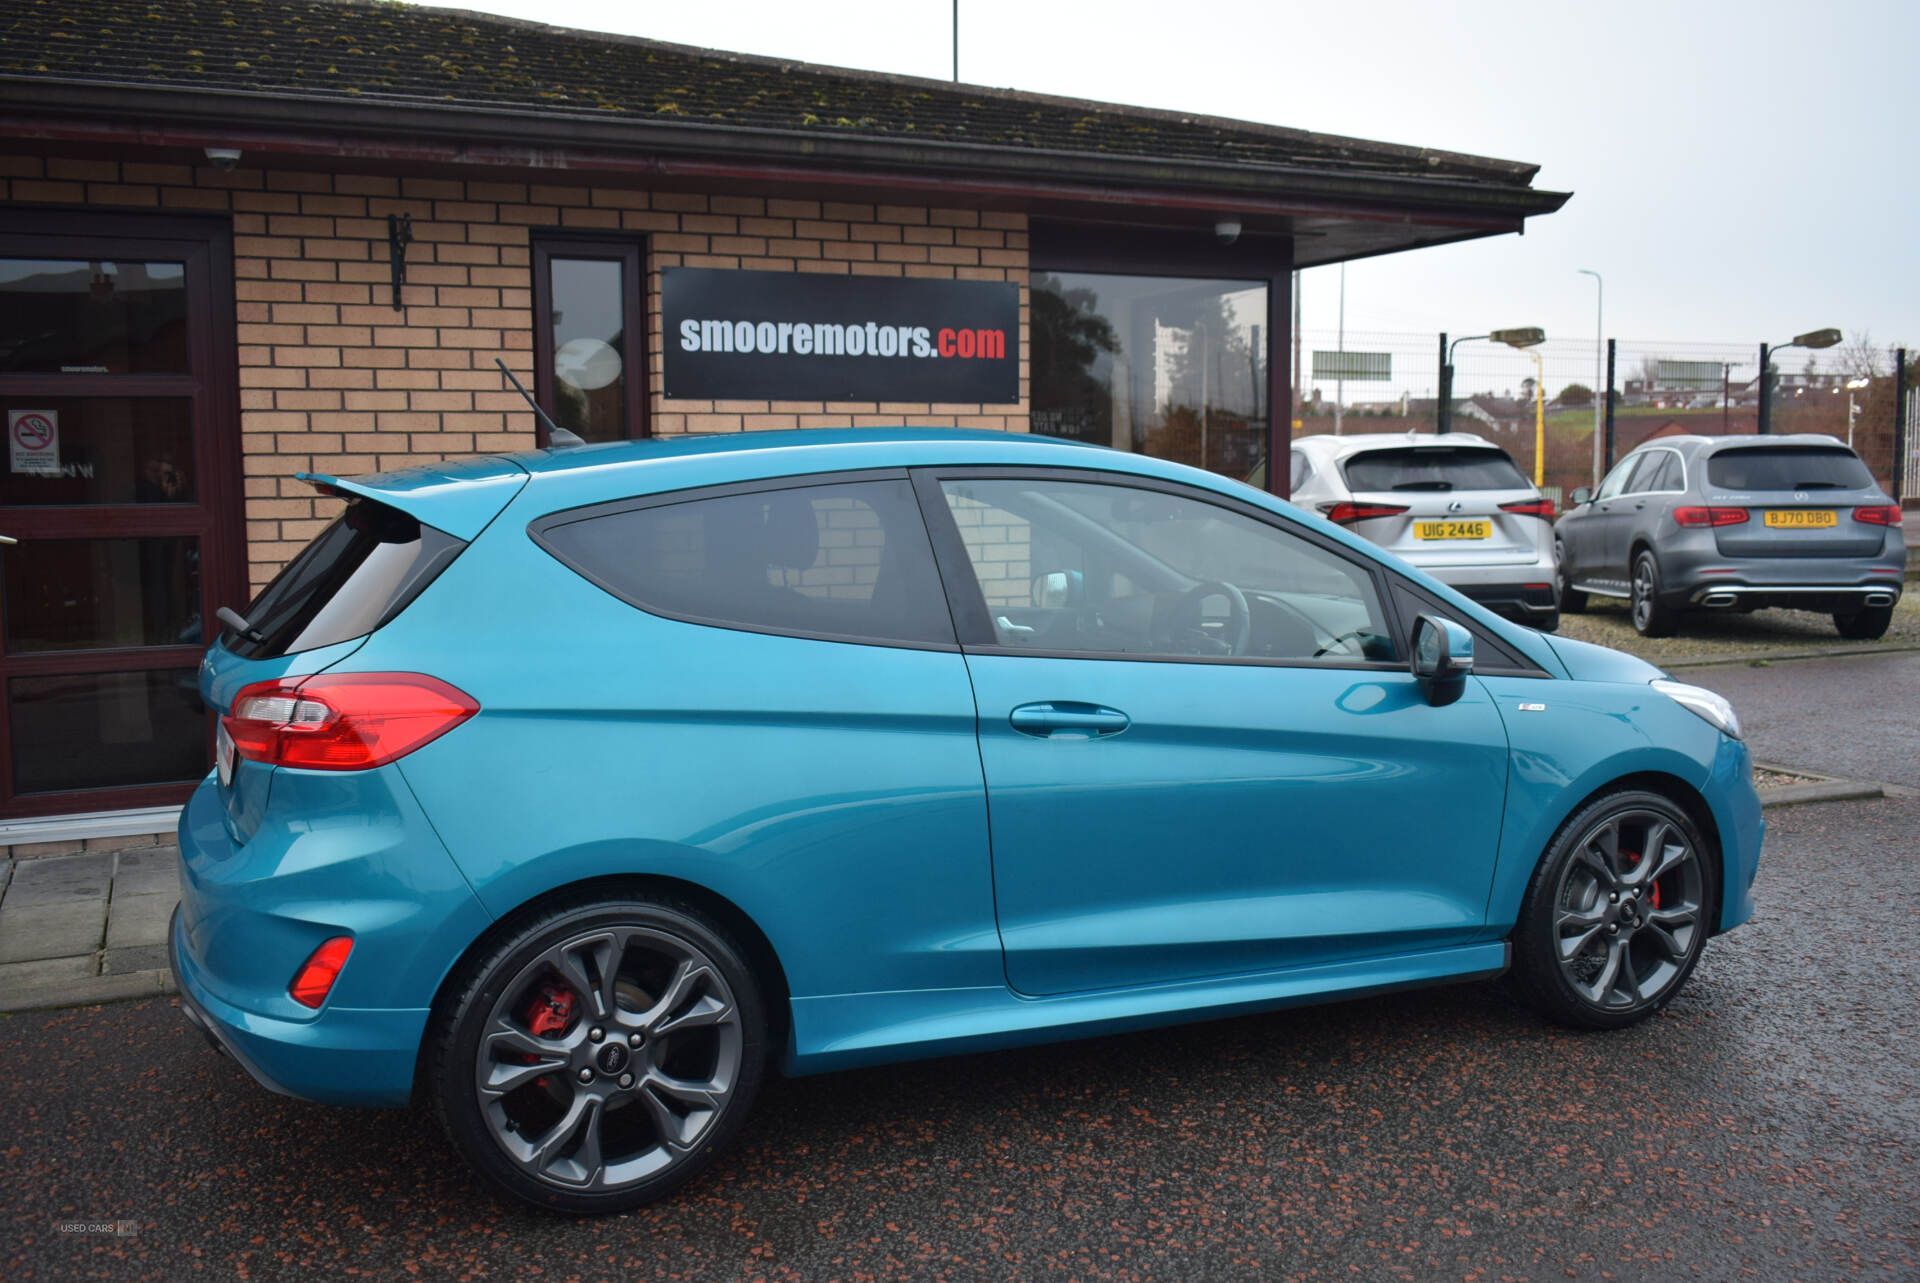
x=1736, y=523
x=1453, y=505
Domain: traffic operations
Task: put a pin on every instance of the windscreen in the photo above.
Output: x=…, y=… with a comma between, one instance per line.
x=357, y=573
x=1434, y=467
x=1788, y=467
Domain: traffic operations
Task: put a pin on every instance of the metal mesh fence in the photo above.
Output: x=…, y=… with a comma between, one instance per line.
x=1373, y=381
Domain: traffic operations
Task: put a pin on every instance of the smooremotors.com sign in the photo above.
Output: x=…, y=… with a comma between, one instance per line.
x=780, y=336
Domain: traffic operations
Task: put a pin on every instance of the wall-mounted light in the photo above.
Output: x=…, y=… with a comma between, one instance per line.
x=224, y=158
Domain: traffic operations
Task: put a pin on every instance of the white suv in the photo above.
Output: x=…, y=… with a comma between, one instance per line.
x=1453, y=505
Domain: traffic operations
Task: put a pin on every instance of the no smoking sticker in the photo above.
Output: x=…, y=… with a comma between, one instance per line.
x=33, y=440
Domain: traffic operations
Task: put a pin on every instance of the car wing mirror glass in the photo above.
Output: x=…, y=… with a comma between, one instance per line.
x=1442, y=658
x=1581, y=495
x=1059, y=589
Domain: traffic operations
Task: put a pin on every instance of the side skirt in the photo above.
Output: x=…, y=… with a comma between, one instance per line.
x=843, y=1031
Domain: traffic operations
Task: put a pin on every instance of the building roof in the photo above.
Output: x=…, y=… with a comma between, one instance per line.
x=368, y=66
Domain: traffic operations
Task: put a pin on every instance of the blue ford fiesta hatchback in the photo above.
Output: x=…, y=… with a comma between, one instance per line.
x=571, y=792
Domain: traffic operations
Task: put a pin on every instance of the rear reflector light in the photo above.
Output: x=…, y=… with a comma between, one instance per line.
x=1531, y=508
x=314, y=981
x=1344, y=512
x=1709, y=516
x=1885, y=514
x=343, y=721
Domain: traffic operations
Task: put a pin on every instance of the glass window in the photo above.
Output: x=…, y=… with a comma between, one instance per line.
x=1617, y=479
x=356, y=574
x=1661, y=473
x=88, y=450
x=81, y=316
x=1168, y=366
x=106, y=730
x=92, y=594
x=1438, y=468
x=844, y=560
x=1111, y=569
x=1788, y=467
x=1298, y=470
x=589, y=336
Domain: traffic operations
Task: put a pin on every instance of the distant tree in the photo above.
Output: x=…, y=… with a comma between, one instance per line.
x=1860, y=359
x=1576, y=394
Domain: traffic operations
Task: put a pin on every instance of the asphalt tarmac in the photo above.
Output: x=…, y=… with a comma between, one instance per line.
x=1763, y=1127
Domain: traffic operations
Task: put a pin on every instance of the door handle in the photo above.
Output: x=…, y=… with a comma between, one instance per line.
x=1065, y=719
x=8, y=539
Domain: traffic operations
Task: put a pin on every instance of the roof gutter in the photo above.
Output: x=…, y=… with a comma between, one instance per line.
x=406, y=130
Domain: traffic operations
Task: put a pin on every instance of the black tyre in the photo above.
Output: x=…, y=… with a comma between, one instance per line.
x=1650, y=618
x=1864, y=624
x=1572, y=600
x=1617, y=913
x=1546, y=623
x=599, y=1057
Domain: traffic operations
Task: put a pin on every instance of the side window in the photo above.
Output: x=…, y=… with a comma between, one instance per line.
x=1665, y=477
x=1300, y=470
x=1617, y=479
x=1116, y=570
x=846, y=560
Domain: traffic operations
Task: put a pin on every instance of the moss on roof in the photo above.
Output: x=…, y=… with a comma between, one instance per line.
x=369, y=50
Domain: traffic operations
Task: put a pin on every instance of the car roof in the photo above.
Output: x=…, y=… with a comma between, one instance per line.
x=1324, y=443
x=1696, y=442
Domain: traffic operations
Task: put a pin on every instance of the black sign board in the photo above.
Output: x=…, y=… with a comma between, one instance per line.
x=787, y=336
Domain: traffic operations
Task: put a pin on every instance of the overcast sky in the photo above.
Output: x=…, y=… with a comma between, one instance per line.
x=1741, y=169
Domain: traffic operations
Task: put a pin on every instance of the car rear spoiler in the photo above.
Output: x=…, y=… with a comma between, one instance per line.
x=459, y=496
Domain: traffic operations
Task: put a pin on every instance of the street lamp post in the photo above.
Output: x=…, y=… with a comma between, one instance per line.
x=1443, y=421
x=1599, y=355
x=1813, y=339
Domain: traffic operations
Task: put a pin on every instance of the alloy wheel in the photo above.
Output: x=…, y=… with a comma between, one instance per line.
x=1629, y=911
x=608, y=1058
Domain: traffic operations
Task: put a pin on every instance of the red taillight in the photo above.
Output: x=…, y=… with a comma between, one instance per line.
x=1531, y=508
x=343, y=721
x=1709, y=516
x=314, y=981
x=1883, y=514
x=1344, y=512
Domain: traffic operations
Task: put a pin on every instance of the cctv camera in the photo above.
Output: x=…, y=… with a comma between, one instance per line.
x=1228, y=230
x=224, y=158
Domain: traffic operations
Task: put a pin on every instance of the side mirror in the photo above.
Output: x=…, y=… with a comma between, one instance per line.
x=1059, y=589
x=1581, y=495
x=1442, y=658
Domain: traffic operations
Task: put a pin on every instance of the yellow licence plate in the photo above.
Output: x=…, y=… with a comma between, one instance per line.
x=1452, y=529
x=1801, y=518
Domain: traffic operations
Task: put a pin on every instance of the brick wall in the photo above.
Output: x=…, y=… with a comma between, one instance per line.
x=332, y=379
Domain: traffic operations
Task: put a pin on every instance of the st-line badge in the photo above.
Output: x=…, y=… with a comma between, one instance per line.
x=783, y=336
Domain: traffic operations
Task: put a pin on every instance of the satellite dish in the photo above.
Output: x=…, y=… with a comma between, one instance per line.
x=586, y=364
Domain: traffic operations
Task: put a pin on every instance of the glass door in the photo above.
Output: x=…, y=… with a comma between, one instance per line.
x=121, y=491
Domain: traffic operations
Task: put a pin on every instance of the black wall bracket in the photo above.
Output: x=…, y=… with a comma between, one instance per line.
x=399, y=235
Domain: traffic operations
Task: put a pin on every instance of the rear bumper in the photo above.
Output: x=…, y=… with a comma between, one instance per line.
x=1524, y=602
x=1818, y=597
x=251, y=914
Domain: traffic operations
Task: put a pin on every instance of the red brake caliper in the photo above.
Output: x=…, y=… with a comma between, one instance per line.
x=1653, y=893
x=551, y=1010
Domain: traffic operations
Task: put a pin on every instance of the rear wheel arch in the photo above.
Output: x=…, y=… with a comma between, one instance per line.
x=745, y=932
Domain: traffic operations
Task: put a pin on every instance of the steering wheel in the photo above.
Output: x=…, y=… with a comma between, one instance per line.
x=1239, y=618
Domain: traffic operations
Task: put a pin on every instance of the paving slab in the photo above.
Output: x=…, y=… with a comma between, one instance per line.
x=43, y=971
x=145, y=957
x=54, y=929
x=154, y=870
x=139, y=919
x=6, y=876
x=84, y=992
x=52, y=879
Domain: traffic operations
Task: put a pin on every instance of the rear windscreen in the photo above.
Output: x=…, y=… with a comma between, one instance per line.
x=357, y=573
x=1788, y=467
x=1440, y=467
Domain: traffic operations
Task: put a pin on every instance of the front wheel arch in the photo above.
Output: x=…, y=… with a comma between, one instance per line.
x=1682, y=795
